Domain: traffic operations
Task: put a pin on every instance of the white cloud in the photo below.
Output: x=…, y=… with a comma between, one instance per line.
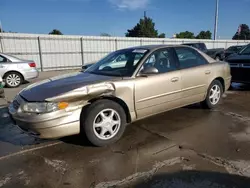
x=130, y=4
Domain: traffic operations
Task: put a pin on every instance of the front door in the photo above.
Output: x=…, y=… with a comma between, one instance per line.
x=158, y=92
x=195, y=72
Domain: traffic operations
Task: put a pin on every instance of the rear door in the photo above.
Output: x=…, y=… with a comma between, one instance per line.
x=195, y=72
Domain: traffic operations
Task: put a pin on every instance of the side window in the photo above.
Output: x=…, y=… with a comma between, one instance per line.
x=189, y=58
x=137, y=58
x=246, y=51
x=2, y=59
x=121, y=58
x=163, y=60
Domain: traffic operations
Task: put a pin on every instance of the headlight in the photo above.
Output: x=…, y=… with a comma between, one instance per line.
x=43, y=107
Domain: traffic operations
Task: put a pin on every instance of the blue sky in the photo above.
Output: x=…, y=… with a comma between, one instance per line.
x=92, y=17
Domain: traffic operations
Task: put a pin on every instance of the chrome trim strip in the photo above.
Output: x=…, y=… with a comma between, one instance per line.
x=169, y=93
x=157, y=96
x=240, y=65
x=246, y=66
x=194, y=87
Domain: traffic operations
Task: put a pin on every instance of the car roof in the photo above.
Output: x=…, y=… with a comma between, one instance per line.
x=157, y=46
x=237, y=46
x=12, y=58
x=194, y=43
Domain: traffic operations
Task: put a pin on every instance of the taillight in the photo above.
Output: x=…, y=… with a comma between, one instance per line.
x=32, y=64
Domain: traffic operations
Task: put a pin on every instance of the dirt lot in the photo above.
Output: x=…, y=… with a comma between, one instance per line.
x=187, y=147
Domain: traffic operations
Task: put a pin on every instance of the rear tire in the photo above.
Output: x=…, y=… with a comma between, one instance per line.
x=103, y=122
x=214, y=94
x=13, y=79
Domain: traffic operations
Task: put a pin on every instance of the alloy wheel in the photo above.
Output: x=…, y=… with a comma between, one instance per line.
x=13, y=80
x=215, y=94
x=106, y=124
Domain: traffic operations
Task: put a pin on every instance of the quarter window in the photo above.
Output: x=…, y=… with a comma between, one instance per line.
x=163, y=60
x=189, y=58
x=3, y=59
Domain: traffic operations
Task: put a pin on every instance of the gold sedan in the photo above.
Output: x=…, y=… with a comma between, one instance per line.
x=125, y=86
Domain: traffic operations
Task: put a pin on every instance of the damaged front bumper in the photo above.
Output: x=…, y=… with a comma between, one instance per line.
x=58, y=123
x=49, y=125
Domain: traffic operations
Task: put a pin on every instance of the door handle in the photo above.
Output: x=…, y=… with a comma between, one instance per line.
x=175, y=79
x=208, y=72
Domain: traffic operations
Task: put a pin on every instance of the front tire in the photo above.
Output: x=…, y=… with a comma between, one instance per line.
x=13, y=79
x=104, y=122
x=214, y=94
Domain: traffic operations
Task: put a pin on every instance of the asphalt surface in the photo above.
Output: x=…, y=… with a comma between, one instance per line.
x=187, y=147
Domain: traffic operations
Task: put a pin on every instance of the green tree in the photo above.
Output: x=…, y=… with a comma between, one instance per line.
x=105, y=35
x=204, y=35
x=185, y=35
x=243, y=34
x=162, y=35
x=55, y=32
x=145, y=28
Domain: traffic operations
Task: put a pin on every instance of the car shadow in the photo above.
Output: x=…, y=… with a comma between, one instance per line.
x=80, y=140
x=196, y=106
x=195, y=179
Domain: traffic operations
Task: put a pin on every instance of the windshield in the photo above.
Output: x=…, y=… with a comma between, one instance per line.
x=245, y=51
x=119, y=63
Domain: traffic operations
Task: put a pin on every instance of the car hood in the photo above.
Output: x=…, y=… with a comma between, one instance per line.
x=61, y=85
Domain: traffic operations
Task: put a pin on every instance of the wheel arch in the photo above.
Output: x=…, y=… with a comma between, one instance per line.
x=117, y=100
x=222, y=81
x=13, y=71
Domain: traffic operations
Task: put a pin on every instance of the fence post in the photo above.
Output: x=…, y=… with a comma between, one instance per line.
x=1, y=43
x=81, y=39
x=140, y=42
x=116, y=45
x=40, y=53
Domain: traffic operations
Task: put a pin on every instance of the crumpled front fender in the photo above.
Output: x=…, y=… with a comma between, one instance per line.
x=85, y=93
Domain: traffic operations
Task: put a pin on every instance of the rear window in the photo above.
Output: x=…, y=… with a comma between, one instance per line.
x=200, y=46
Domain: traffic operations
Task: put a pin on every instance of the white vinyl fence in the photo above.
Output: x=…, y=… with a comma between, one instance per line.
x=52, y=52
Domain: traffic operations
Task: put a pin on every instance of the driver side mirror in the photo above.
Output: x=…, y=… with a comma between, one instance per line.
x=149, y=71
x=84, y=67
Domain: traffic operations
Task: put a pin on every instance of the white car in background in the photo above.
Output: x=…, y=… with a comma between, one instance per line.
x=15, y=71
